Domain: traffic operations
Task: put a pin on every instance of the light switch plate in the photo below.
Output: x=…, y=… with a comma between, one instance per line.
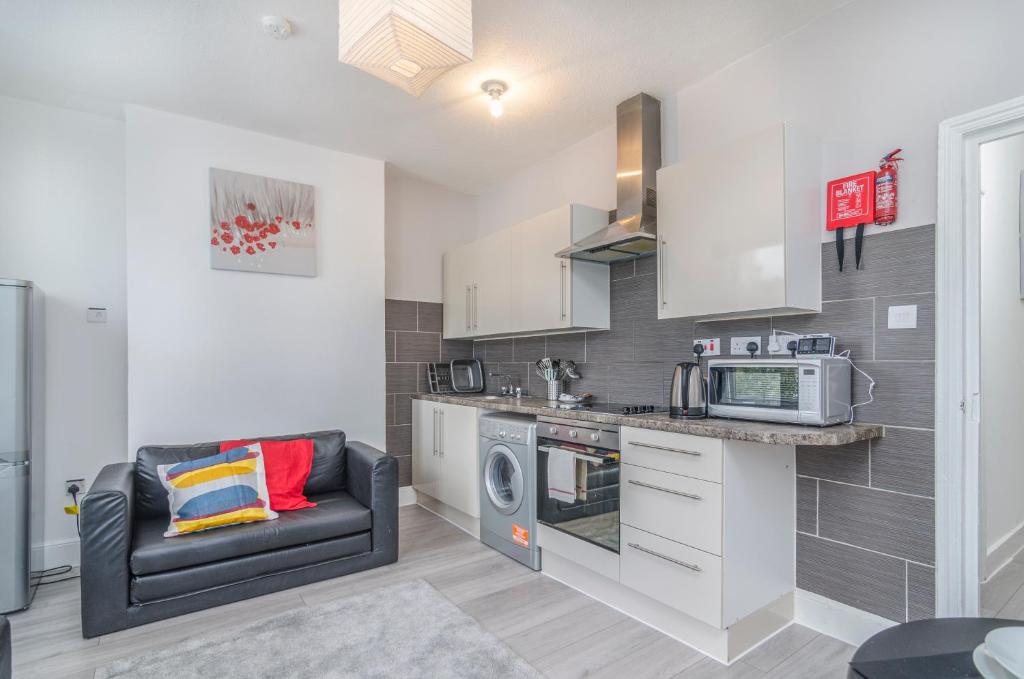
x=96, y=314
x=712, y=346
x=903, y=317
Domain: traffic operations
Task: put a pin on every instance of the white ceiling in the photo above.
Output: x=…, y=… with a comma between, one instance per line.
x=568, y=63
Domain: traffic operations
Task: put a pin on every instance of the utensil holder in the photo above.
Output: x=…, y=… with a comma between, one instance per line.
x=554, y=389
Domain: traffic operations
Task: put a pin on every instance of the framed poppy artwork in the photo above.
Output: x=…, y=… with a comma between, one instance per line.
x=261, y=224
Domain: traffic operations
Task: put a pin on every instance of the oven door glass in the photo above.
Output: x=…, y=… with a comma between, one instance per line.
x=594, y=514
x=771, y=387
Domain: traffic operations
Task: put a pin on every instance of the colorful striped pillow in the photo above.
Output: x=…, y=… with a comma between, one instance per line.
x=215, y=491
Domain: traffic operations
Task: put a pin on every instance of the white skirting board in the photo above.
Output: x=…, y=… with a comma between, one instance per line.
x=1004, y=551
x=57, y=553
x=453, y=516
x=406, y=496
x=835, y=619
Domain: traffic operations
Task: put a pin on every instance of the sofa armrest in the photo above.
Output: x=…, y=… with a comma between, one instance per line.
x=371, y=477
x=5, y=648
x=107, y=523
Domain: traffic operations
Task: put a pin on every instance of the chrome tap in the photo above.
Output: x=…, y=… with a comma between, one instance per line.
x=507, y=389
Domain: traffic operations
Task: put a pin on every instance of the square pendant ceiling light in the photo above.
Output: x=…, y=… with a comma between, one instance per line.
x=409, y=43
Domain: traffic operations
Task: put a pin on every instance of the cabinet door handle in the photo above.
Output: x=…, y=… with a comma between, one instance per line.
x=469, y=325
x=561, y=290
x=434, y=432
x=661, y=271
x=692, y=566
x=440, y=437
x=665, y=490
x=671, y=450
x=476, y=307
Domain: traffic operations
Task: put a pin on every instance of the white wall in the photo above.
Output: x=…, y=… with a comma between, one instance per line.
x=582, y=173
x=423, y=220
x=1002, y=324
x=868, y=78
x=218, y=354
x=62, y=187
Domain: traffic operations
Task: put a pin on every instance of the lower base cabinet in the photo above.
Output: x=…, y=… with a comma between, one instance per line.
x=445, y=454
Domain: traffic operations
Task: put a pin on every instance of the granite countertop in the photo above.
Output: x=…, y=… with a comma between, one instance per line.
x=736, y=430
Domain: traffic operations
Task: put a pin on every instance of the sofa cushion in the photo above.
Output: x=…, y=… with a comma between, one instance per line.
x=336, y=515
x=327, y=474
x=157, y=586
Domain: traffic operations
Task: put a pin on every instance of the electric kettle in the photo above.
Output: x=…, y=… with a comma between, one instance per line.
x=688, y=397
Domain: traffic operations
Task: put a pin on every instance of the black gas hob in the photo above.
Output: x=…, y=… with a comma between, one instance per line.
x=614, y=408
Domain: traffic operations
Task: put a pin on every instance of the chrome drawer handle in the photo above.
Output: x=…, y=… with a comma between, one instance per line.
x=671, y=450
x=692, y=566
x=665, y=490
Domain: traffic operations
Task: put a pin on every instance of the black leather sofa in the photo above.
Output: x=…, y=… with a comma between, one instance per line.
x=5, y=648
x=131, y=575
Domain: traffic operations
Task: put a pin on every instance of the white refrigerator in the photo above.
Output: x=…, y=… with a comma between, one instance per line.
x=15, y=443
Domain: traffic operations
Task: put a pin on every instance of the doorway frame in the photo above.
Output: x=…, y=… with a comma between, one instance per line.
x=958, y=514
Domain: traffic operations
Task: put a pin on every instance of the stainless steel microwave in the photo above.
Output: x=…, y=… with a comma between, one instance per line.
x=815, y=391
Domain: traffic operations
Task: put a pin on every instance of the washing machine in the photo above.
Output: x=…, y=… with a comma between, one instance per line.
x=508, y=486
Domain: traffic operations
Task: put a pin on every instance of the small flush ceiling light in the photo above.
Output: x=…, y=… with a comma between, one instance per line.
x=494, y=89
x=408, y=43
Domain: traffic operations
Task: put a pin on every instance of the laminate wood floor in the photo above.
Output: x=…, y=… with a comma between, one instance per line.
x=1003, y=595
x=560, y=631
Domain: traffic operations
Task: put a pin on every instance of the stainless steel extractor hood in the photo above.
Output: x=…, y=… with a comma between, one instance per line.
x=637, y=159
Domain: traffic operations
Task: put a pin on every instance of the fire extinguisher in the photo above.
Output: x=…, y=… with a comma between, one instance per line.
x=885, y=189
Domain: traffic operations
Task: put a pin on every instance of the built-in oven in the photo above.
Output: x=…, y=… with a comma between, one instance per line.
x=578, y=479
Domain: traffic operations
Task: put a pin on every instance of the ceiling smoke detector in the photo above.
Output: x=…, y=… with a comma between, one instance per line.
x=277, y=27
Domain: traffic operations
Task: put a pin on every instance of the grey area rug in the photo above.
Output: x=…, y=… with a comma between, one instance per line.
x=406, y=630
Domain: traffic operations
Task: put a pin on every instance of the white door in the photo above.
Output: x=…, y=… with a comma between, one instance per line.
x=492, y=284
x=722, y=230
x=541, y=291
x=460, y=476
x=458, y=279
x=425, y=447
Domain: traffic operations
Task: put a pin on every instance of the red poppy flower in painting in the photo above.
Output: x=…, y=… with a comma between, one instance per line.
x=249, y=213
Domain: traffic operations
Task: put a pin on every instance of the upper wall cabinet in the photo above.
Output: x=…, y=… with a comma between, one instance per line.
x=511, y=283
x=739, y=229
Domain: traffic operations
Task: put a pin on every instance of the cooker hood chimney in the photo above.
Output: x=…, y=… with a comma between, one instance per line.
x=638, y=157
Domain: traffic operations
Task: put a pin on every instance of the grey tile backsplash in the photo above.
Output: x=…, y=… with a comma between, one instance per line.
x=412, y=338
x=865, y=513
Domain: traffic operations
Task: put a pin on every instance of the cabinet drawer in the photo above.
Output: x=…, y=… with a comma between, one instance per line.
x=682, y=577
x=695, y=456
x=676, y=507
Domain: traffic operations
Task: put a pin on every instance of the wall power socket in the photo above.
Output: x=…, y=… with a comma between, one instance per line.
x=738, y=345
x=74, y=482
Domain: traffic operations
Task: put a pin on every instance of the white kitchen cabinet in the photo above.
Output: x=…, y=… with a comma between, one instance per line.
x=552, y=293
x=707, y=525
x=510, y=282
x=426, y=465
x=445, y=447
x=739, y=229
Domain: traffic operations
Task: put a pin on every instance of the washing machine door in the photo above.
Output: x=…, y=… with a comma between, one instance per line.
x=503, y=479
